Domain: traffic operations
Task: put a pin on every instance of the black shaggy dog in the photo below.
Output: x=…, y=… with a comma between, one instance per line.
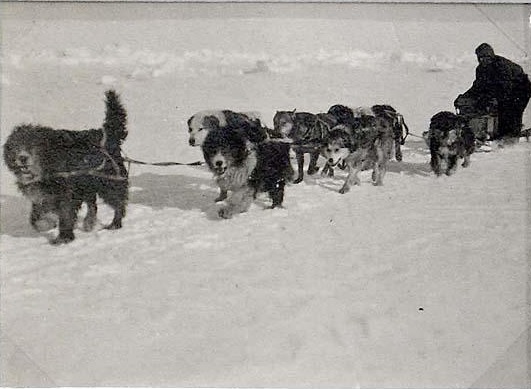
x=248, y=124
x=449, y=138
x=307, y=131
x=363, y=116
x=243, y=169
x=58, y=170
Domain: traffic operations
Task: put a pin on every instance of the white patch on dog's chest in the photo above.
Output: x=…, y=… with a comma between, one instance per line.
x=236, y=177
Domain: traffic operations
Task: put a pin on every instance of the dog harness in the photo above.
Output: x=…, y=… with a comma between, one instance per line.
x=97, y=171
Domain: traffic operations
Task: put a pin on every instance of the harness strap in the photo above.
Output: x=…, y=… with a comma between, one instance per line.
x=415, y=135
x=322, y=122
x=130, y=160
x=96, y=172
x=90, y=172
x=402, y=126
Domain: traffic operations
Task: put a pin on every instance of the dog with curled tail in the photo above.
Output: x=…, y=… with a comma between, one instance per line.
x=58, y=170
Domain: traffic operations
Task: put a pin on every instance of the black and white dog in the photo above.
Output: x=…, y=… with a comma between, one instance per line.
x=242, y=168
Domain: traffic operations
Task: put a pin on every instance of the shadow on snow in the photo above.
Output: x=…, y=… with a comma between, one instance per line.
x=14, y=217
x=153, y=190
x=174, y=191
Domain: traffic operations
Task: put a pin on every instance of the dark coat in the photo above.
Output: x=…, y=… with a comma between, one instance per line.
x=501, y=79
x=501, y=87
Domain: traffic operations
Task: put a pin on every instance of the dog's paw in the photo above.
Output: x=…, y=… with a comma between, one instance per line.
x=222, y=196
x=63, y=238
x=377, y=179
x=298, y=180
x=115, y=225
x=451, y=171
x=344, y=190
x=225, y=213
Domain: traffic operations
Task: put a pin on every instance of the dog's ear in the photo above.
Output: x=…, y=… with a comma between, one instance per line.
x=211, y=122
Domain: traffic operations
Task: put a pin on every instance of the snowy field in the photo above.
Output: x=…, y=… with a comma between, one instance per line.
x=421, y=283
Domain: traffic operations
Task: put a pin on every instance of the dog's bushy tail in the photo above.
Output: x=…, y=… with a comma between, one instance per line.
x=115, y=123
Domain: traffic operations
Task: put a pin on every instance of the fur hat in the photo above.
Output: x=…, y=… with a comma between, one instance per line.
x=484, y=50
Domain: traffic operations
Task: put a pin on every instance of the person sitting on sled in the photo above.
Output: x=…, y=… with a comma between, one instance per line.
x=500, y=85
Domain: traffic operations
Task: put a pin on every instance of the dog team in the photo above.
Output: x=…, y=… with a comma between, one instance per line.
x=58, y=170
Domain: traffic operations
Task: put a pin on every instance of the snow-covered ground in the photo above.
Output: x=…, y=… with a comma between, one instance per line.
x=420, y=283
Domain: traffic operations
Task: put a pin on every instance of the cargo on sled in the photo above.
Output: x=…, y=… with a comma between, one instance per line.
x=483, y=121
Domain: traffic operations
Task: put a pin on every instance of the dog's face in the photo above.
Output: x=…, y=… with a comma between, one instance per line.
x=449, y=144
x=198, y=127
x=283, y=123
x=451, y=138
x=221, y=161
x=336, y=149
x=24, y=163
x=223, y=149
x=444, y=133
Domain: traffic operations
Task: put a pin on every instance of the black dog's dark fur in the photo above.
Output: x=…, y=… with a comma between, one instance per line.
x=449, y=138
x=252, y=168
x=273, y=170
x=345, y=115
x=60, y=169
x=307, y=133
